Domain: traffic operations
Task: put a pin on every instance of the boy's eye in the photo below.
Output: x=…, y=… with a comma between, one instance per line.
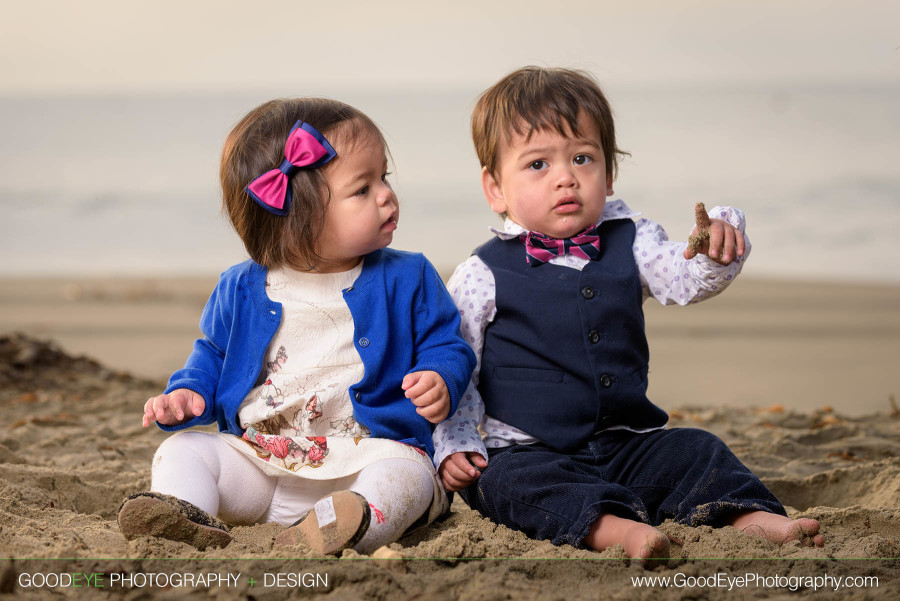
x=385, y=175
x=363, y=191
x=582, y=159
x=537, y=165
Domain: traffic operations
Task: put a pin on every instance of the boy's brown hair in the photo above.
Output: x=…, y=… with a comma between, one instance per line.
x=256, y=145
x=537, y=99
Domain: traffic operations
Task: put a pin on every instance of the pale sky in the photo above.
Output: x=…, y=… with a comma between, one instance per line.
x=165, y=46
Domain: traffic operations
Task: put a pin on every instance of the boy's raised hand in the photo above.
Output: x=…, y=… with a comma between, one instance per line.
x=428, y=392
x=461, y=469
x=175, y=408
x=717, y=239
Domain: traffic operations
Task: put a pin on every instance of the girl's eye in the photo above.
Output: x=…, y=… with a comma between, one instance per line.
x=363, y=191
x=537, y=165
x=582, y=159
x=385, y=175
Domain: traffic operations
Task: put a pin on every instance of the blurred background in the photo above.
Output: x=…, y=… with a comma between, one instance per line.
x=113, y=114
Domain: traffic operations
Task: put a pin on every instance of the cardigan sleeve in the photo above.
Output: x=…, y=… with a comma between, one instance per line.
x=438, y=343
x=203, y=368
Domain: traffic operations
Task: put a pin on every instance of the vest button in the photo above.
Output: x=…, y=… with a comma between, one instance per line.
x=587, y=292
x=605, y=381
x=594, y=336
x=363, y=342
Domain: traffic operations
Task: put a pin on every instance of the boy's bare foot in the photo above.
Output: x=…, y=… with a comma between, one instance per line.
x=640, y=541
x=780, y=529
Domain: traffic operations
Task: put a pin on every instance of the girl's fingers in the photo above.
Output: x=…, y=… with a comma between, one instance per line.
x=159, y=408
x=417, y=390
x=436, y=412
x=175, y=407
x=424, y=398
x=410, y=380
x=441, y=415
x=428, y=411
x=431, y=412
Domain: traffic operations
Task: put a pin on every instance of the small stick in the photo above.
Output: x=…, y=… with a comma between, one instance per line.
x=701, y=218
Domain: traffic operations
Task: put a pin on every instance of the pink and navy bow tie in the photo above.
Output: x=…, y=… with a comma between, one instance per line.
x=305, y=148
x=539, y=249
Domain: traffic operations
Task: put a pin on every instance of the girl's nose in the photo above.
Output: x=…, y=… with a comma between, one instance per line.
x=386, y=195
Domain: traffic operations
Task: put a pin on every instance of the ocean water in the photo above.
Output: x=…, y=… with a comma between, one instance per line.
x=128, y=185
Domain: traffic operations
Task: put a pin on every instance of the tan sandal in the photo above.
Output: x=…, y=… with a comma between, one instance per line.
x=335, y=523
x=164, y=516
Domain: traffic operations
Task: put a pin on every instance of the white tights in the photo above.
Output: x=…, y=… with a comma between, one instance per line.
x=203, y=469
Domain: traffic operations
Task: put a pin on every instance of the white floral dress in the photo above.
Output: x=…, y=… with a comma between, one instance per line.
x=299, y=417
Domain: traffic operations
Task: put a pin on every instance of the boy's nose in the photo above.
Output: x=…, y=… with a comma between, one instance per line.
x=565, y=178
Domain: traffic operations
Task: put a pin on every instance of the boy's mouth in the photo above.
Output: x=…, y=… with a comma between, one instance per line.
x=566, y=204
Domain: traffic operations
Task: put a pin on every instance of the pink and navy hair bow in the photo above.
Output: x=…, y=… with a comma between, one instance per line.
x=305, y=148
x=539, y=249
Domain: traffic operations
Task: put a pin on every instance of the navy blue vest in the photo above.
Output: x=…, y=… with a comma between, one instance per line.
x=566, y=355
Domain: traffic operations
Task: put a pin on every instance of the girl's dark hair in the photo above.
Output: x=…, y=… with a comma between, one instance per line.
x=538, y=98
x=256, y=145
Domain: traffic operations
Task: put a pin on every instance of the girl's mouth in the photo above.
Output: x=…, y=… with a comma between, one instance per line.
x=390, y=225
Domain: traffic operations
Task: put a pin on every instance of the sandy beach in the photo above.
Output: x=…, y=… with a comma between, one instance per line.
x=803, y=345
x=798, y=379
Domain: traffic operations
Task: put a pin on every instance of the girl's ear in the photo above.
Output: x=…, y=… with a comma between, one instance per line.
x=493, y=192
x=609, y=188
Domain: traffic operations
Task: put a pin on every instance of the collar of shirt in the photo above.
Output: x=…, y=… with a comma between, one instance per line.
x=617, y=209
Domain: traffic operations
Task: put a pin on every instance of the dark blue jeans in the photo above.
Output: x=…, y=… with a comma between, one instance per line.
x=685, y=474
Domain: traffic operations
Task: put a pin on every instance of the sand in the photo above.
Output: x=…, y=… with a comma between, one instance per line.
x=805, y=345
x=72, y=447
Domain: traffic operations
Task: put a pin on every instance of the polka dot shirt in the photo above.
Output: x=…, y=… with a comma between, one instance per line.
x=665, y=276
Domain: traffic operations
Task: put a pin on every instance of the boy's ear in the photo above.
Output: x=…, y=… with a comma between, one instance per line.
x=492, y=192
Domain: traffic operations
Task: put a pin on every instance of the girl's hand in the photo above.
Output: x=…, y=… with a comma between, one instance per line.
x=174, y=408
x=428, y=392
x=717, y=239
x=461, y=469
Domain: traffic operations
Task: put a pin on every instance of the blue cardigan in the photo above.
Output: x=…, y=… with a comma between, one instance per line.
x=404, y=321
